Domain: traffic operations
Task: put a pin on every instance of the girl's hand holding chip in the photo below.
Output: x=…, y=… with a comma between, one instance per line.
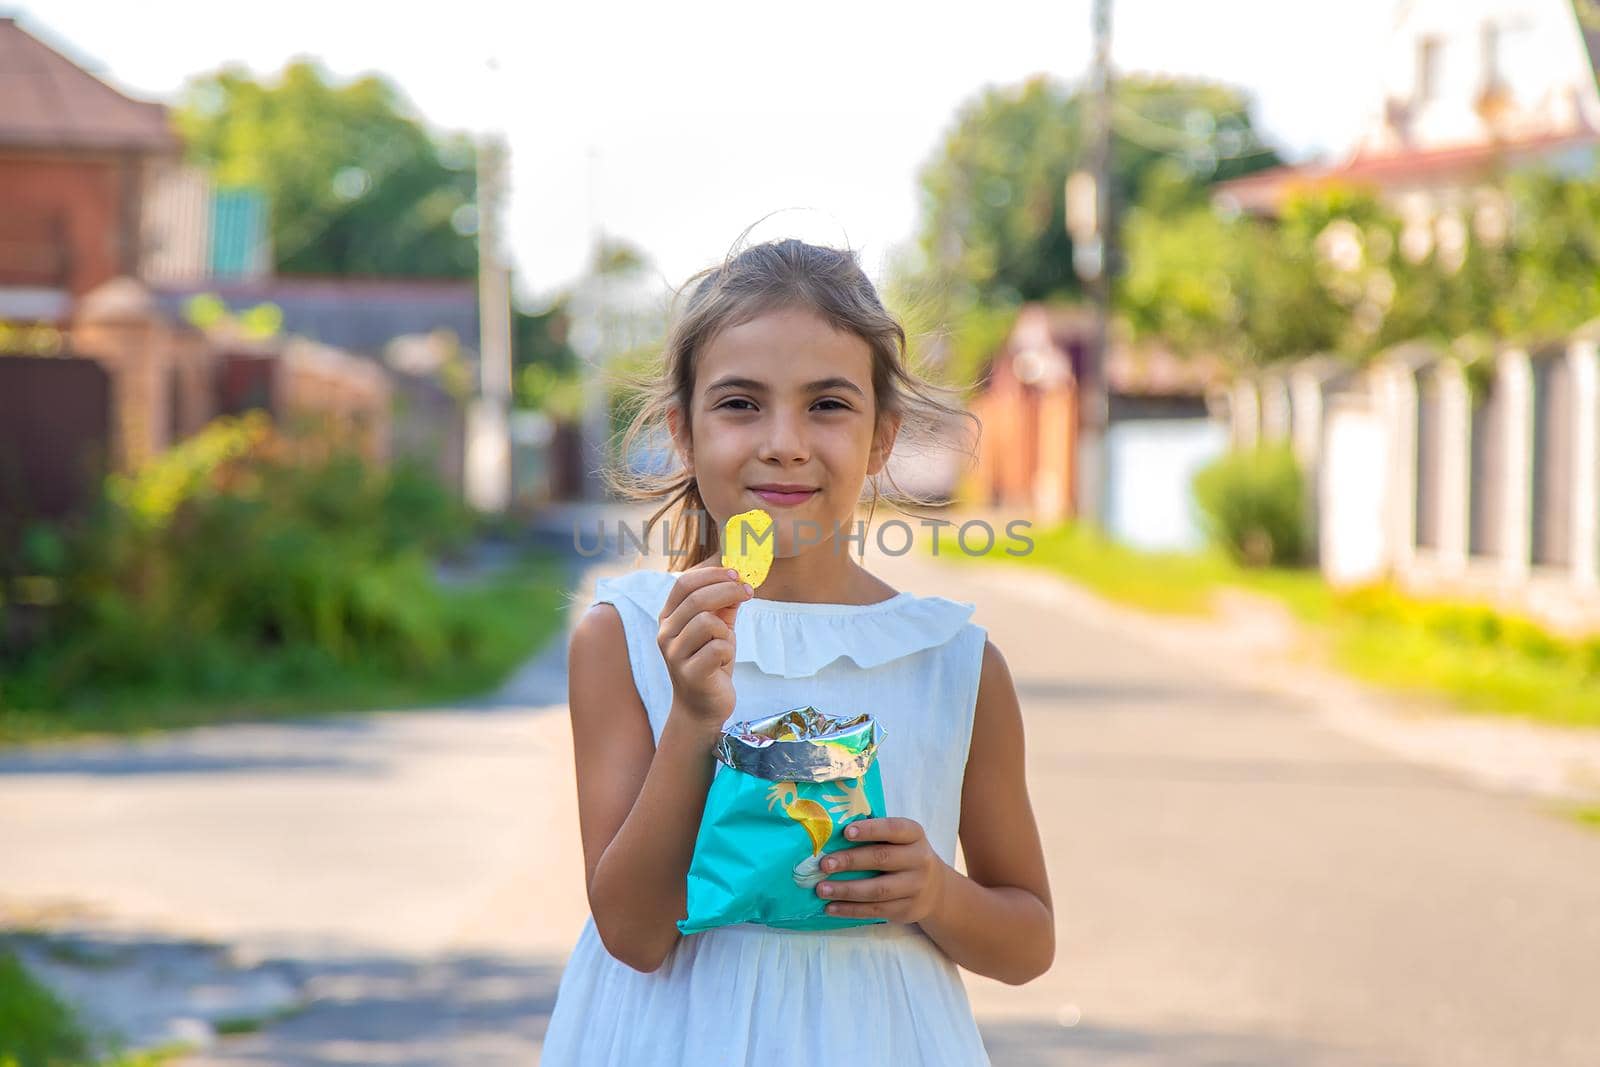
x=696, y=634
x=911, y=886
x=696, y=640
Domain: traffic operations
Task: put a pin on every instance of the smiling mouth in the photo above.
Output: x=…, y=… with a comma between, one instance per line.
x=777, y=496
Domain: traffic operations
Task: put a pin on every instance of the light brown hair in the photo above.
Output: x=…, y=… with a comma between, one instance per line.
x=787, y=273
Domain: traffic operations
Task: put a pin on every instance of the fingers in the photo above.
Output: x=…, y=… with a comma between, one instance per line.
x=863, y=910
x=712, y=655
x=711, y=596
x=876, y=857
x=692, y=579
x=699, y=630
x=896, y=830
x=899, y=886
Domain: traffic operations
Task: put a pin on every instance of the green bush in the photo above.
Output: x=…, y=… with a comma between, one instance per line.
x=241, y=552
x=1253, y=502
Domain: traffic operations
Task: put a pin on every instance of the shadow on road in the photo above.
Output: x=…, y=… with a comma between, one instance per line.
x=456, y=1009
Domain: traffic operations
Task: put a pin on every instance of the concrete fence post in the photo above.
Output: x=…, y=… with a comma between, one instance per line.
x=1515, y=372
x=1455, y=464
x=1585, y=362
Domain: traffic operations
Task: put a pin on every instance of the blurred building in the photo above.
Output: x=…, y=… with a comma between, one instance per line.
x=123, y=381
x=1469, y=88
x=77, y=162
x=99, y=368
x=1160, y=429
x=106, y=235
x=420, y=331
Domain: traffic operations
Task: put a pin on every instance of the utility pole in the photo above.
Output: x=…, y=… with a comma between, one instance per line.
x=488, y=458
x=1089, y=222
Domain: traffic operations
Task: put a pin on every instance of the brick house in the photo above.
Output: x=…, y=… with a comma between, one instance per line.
x=77, y=159
x=90, y=226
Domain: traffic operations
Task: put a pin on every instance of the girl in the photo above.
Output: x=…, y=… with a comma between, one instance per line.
x=785, y=386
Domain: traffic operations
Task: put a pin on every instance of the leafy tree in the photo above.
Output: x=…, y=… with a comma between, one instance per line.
x=1340, y=272
x=357, y=184
x=616, y=257
x=545, y=367
x=540, y=337
x=1553, y=280
x=994, y=217
x=993, y=227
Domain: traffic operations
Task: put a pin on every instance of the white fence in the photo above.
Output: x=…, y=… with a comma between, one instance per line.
x=1453, y=481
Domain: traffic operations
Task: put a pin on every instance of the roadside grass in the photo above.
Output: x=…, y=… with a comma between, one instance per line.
x=1560, y=689
x=1168, y=583
x=250, y=1024
x=1588, y=816
x=38, y=1030
x=1478, y=659
x=510, y=612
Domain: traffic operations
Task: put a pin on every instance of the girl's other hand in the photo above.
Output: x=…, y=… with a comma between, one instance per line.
x=913, y=879
x=696, y=640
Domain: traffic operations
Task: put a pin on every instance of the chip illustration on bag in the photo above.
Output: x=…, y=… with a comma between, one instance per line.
x=747, y=543
x=851, y=800
x=786, y=787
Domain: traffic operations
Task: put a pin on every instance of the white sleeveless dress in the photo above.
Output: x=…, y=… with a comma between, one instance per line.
x=748, y=994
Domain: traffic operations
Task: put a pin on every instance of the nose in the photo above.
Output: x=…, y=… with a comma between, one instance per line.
x=785, y=439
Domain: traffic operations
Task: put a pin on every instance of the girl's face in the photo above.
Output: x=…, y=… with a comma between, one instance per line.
x=785, y=399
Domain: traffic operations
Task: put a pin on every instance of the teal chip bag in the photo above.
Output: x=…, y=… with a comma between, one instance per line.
x=784, y=790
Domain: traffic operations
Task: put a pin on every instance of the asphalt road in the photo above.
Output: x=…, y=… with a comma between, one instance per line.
x=1235, y=882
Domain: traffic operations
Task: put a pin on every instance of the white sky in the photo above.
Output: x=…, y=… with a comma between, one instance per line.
x=676, y=126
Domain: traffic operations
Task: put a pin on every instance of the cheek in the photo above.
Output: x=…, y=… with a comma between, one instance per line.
x=725, y=451
x=849, y=455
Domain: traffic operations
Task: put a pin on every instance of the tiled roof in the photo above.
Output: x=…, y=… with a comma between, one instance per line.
x=1399, y=168
x=47, y=101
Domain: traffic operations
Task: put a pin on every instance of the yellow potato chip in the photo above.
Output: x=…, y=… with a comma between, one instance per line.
x=747, y=545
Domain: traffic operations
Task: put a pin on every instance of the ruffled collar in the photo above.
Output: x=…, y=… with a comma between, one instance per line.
x=791, y=639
